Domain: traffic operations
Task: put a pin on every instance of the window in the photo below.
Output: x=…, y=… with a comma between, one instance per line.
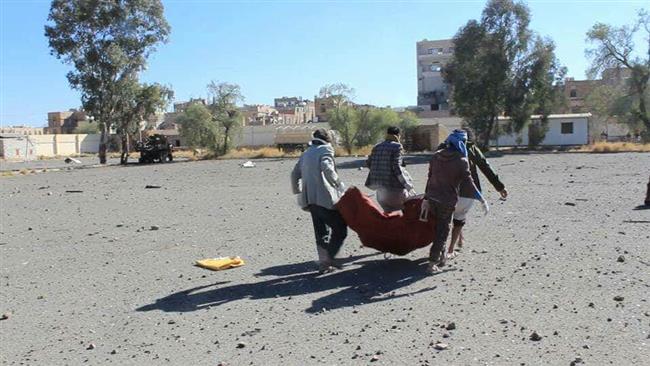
x=178, y=143
x=435, y=107
x=440, y=51
x=435, y=67
x=567, y=128
x=430, y=51
x=573, y=93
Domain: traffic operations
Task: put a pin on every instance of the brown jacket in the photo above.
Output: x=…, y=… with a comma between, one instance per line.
x=448, y=169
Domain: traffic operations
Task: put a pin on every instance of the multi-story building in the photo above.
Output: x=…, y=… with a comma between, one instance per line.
x=294, y=110
x=258, y=115
x=433, y=92
x=64, y=122
x=576, y=91
x=323, y=105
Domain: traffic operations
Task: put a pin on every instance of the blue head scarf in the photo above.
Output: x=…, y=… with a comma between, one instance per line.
x=456, y=141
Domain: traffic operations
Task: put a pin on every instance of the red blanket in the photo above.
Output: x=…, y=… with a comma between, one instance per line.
x=397, y=233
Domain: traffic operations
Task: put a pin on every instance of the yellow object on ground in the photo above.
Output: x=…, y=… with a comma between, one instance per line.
x=218, y=264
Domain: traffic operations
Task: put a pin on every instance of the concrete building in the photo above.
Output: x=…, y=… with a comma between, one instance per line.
x=64, y=122
x=258, y=115
x=180, y=107
x=322, y=107
x=563, y=130
x=294, y=110
x=433, y=92
x=576, y=91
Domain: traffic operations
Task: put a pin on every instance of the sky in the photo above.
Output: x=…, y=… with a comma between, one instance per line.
x=282, y=48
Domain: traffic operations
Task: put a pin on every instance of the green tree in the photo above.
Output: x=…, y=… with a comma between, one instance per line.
x=107, y=43
x=408, y=122
x=372, y=124
x=198, y=128
x=137, y=103
x=87, y=127
x=342, y=117
x=343, y=120
x=224, y=98
x=500, y=67
x=614, y=48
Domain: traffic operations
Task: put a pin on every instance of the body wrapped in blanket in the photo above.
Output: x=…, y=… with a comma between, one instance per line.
x=398, y=233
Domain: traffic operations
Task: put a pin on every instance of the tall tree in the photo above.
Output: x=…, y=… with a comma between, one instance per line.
x=137, y=103
x=107, y=42
x=342, y=117
x=499, y=67
x=614, y=48
x=224, y=98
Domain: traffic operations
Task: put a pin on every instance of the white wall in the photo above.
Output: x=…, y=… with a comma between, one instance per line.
x=554, y=135
x=580, y=135
x=21, y=148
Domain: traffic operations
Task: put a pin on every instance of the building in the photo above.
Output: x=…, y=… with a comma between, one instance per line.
x=294, y=110
x=323, y=105
x=258, y=115
x=563, y=130
x=180, y=107
x=21, y=130
x=64, y=122
x=433, y=92
x=577, y=91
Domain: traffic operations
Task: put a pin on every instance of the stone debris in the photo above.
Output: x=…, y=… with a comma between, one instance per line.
x=535, y=337
x=441, y=346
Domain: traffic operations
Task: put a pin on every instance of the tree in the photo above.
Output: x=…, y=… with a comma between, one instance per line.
x=198, y=128
x=87, y=127
x=341, y=94
x=408, y=121
x=107, y=43
x=342, y=117
x=137, y=103
x=223, y=107
x=500, y=67
x=372, y=124
x=614, y=48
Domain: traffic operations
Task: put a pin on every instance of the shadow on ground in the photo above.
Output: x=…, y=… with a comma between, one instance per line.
x=366, y=282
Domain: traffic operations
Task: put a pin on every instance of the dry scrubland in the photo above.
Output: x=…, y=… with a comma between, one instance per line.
x=105, y=276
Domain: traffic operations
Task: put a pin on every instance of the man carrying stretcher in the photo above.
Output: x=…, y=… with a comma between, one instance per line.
x=448, y=169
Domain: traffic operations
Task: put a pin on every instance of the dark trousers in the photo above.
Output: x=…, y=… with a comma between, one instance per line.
x=329, y=228
x=443, y=215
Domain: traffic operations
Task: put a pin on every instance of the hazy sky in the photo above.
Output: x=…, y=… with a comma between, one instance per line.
x=282, y=48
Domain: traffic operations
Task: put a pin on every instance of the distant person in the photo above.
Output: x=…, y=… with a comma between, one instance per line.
x=315, y=180
x=387, y=175
x=448, y=170
x=466, y=195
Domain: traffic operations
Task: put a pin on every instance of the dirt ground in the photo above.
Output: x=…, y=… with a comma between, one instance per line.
x=106, y=275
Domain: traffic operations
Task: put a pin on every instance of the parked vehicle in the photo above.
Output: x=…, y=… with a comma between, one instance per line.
x=291, y=138
x=155, y=148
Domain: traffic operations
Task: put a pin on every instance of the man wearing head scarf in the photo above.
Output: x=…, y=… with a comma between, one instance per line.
x=315, y=180
x=466, y=196
x=448, y=169
x=387, y=175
